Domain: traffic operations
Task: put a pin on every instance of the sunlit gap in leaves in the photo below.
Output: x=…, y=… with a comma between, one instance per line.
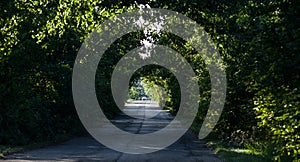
x=149, y=30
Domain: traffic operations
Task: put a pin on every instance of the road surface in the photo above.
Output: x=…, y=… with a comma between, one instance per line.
x=187, y=149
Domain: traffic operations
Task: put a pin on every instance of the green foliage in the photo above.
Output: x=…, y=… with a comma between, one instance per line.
x=137, y=89
x=164, y=86
x=279, y=116
x=39, y=43
x=155, y=92
x=259, y=43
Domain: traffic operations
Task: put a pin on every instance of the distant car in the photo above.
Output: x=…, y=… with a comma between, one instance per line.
x=144, y=98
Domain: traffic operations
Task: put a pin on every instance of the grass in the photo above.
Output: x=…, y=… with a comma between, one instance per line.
x=230, y=153
x=6, y=150
x=238, y=154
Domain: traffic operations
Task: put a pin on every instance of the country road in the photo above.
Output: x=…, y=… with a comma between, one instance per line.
x=149, y=118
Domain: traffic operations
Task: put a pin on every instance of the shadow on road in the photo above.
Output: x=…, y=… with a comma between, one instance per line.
x=138, y=117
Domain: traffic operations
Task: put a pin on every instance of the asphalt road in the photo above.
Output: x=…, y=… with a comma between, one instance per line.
x=148, y=118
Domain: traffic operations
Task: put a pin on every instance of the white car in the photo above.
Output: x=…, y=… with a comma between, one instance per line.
x=144, y=98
